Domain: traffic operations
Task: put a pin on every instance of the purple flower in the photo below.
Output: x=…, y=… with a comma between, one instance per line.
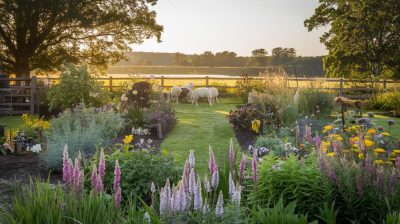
x=99, y=184
x=254, y=166
x=118, y=197
x=66, y=165
x=242, y=166
x=232, y=188
x=207, y=185
x=102, y=165
x=192, y=181
x=192, y=159
x=117, y=176
x=219, y=209
x=317, y=141
x=215, y=179
x=197, y=198
x=212, y=165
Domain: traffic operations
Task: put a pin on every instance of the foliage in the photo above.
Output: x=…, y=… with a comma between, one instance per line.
x=291, y=180
x=135, y=117
x=273, y=143
x=162, y=113
x=30, y=203
x=247, y=84
x=139, y=169
x=82, y=129
x=388, y=101
x=363, y=37
x=76, y=85
x=315, y=102
x=279, y=214
x=60, y=32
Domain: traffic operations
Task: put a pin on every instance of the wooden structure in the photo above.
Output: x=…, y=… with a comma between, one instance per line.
x=21, y=96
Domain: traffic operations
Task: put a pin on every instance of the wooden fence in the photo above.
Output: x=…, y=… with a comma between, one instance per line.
x=18, y=96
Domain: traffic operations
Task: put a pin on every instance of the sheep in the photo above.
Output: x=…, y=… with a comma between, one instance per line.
x=214, y=94
x=190, y=86
x=175, y=92
x=202, y=93
x=185, y=94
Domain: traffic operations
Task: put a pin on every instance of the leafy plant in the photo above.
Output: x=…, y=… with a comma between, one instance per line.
x=389, y=101
x=273, y=143
x=76, y=85
x=82, y=129
x=247, y=84
x=162, y=113
x=315, y=102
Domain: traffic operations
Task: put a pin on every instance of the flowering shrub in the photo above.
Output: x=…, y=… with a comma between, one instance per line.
x=162, y=113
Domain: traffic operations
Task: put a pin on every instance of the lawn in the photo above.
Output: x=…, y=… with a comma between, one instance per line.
x=199, y=127
x=382, y=121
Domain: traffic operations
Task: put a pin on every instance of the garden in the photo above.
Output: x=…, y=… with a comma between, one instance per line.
x=267, y=154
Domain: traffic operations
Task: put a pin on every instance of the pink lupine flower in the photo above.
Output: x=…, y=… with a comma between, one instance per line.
x=232, y=188
x=117, y=176
x=212, y=165
x=317, y=141
x=197, y=198
x=102, y=165
x=231, y=156
x=254, y=165
x=93, y=178
x=215, y=179
x=192, y=160
x=219, y=209
x=308, y=133
x=242, y=166
x=118, y=197
x=99, y=184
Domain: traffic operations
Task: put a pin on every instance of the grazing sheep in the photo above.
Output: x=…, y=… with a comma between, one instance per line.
x=214, y=94
x=190, y=86
x=202, y=93
x=185, y=94
x=175, y=92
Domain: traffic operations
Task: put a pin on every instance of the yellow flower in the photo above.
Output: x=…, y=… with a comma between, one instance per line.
x=331, y=154
x=354, y=146
x=379, y=162
x=371, y=131
x=337, y=137
x=396, y=151
x=355, y=139
x=386, y=134
x=379, y=150
x=368, y=143
x=255, y=125
x=389, y=163
x=128, y=139
x=328, y=127
x=361, y=156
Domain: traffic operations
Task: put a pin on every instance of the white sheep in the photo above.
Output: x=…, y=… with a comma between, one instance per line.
x=214, y=94
x=175, y=92
x=190, y=86
x=202, y=93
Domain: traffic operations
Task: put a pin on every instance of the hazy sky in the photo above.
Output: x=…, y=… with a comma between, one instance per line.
x=194, y=26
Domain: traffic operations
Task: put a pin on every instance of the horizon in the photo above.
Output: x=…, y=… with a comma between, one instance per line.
x=193, y=27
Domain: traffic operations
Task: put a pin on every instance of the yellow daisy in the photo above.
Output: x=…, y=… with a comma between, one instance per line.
x=371, y=131
x=379, y=150
x=331, y=154
x=368, y=143
x=379, y=162
x=386, y=134
x=128, y=139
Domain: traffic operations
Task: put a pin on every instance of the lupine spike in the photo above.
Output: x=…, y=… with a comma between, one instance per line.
x=102, y=164
x=192, y=160
x=219, y=209
x=65, y=164
x=212, y=166
x=242, y=166
x=192, y=181
x=232, y=188
x=215, y=179
x=231, y=155
x=117, y=176
x=207, y=185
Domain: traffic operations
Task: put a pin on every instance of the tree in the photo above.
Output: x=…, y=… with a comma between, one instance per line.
x=43, y=34
x=364, y=37
x=260, y=56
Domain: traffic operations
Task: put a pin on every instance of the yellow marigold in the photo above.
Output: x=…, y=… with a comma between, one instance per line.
x=361, y=156
x=379, y=150
x=379, y=162
x=355, y=139
x=368, y=143
x=331, y=154
x=328, y=127
x=255, y=125
x=371, y=131
x=386, y=134
x=128, y=139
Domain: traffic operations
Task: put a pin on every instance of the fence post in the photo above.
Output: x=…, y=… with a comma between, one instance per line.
x=111, y=84
x=384, y=84
x=162, y=81
x=207, y=81
x=341, y=87
x=33, y=90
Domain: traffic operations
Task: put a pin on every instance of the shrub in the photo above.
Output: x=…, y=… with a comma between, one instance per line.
x=389, y=101
x=139, y=169
x=315, y=102
x=76, y=85
x=82, y=129
x=163, y=113
x=274, y=144
x=247, y=84
x=135, y=118
x=291, y=180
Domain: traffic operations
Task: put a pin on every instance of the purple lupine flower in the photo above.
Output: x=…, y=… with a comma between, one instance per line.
x=317, y=141
x=231, y=156
x=65, y=165
x=102, y=165
x=118, y=197
x=81, y=182
x=117, y=176
x=163, y=201
x=176, y=196
x=93, y=179
x=215, y=179
x=207, y=185
x=232, y=188
x=192, y=160
x=99, y=184
x=197, y=198
x=168, y=192
x=70, y=172
x=212, y=165
x=254, y=166
x=185, y=176
x=242, y=166
x=192, y=181
x=237, y=195
x=184, y=204
x=219, y=209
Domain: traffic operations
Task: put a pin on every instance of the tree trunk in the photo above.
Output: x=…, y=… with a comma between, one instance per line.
x=22, y=67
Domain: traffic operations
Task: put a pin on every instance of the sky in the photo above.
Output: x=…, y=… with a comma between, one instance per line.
x=195, y=26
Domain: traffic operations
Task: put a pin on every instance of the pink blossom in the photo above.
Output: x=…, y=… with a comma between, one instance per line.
x=118, y=197
x=212, y=165
x=215, y=179
x=93, y=178
x=117, y=176
x=102, y=165
x=317, y=141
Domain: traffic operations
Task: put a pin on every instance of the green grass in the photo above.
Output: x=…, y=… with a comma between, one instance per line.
x=382, y=121
x=199, y=127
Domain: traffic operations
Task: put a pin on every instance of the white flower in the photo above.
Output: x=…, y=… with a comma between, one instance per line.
x=134, y=92
x=36, y=148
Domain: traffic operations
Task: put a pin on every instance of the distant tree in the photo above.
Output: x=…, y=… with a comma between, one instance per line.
x=363, y=39
x=207, y=59
x=225, y=58
x=282, y=56
x=259, y=57
x=42, y=34
x=181, y=59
